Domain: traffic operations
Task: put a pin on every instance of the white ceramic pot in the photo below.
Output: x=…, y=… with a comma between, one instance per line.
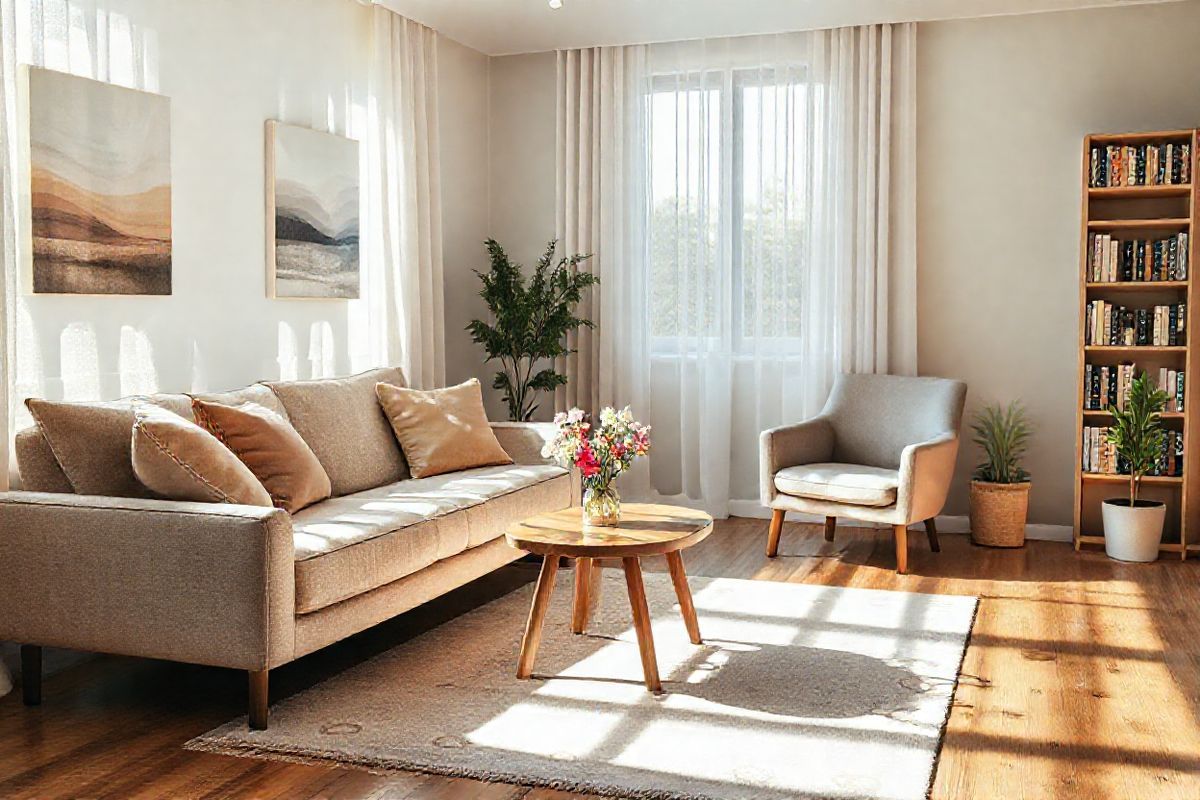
x=1133, y=533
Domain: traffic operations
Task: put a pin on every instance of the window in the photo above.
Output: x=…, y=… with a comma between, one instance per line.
x=727, y=227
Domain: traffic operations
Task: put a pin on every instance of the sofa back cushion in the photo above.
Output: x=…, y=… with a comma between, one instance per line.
x=179, y=460
x=342, y=422
x=40, y=471
x=272, y=450
x=258, y=393
x=91, y=441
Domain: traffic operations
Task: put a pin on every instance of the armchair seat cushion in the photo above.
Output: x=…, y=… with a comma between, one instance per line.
x=853, y=484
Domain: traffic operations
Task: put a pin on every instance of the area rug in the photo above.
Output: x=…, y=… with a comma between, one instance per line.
x=797, y=692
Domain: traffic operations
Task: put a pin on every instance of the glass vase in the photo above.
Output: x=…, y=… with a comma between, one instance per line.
x=601, y=505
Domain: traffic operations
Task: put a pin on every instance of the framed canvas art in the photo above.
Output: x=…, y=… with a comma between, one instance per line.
x=100, y=187
x=312, y=213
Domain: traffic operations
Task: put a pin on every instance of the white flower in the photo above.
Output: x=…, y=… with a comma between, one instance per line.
x=575, y=416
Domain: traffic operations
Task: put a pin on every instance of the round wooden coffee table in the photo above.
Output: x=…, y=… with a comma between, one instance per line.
x=645, y=530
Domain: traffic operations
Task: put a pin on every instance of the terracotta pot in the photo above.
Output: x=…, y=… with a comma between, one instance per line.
x=1133, y=533
x=998, y=513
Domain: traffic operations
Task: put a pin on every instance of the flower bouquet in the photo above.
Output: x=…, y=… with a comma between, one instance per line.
x=600, y=454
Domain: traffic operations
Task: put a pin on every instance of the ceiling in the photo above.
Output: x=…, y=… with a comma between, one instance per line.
x=504, y=27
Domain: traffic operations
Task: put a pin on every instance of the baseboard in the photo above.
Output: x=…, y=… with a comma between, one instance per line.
x=946, y=523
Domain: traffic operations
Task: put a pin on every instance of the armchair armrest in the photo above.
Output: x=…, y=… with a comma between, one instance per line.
x=790, y=445
x=202, y=583
x=926, y=469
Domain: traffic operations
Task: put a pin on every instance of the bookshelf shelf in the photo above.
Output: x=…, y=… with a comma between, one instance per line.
x=1138, y=286
x=1160, y=211
x=1169, y=190
x=1160, y=223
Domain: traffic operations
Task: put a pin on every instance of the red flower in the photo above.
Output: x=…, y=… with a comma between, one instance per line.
x=585, y=459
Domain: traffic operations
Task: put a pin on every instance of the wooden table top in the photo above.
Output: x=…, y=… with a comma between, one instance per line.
x=645, y=530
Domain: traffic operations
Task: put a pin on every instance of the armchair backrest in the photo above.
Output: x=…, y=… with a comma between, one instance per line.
x=875, y=417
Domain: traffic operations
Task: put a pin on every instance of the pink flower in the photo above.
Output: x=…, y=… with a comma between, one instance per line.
x=585, y=459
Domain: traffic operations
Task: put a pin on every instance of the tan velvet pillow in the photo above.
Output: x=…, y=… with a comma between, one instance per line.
x=443, y=430
x=269, y=445
x=179, y=460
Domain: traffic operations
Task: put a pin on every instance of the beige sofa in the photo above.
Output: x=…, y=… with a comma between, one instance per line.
x=252, y=588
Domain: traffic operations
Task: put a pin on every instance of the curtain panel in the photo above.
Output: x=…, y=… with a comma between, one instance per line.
x=759, y=233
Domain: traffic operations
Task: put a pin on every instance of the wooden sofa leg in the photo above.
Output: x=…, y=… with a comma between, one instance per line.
x=901, y=532
x=774, y=531
x=830, y=527
x=258, y=699
x=31, y=674
x=931, y=532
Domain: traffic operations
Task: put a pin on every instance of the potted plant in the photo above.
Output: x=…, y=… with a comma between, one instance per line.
x=530, y=323
x=1133, y=527
x=1000, y=485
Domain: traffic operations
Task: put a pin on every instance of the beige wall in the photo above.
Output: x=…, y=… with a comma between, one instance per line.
x=1004, y=104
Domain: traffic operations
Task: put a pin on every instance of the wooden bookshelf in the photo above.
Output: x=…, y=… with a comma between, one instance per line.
x=1141, y=212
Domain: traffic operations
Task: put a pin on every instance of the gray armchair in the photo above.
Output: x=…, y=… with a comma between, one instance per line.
x=882, y=450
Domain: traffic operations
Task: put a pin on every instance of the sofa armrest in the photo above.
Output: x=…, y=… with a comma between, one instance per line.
x=202, y=583
x=807, y=442
x=523, y=441
x=926, y=469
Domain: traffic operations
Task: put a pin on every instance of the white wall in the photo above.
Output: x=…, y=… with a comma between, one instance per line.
x=228, y=66
x=1004, y=104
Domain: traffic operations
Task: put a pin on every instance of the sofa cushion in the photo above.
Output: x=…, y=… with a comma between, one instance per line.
x=342, y=422
x=92, y=441
x=272, y=450
x=348, y=545
x=179, y=460
x=258, y=393
x=840, y=483
x=443, y=430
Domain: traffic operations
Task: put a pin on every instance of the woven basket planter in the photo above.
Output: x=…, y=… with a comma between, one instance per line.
x=998, y=513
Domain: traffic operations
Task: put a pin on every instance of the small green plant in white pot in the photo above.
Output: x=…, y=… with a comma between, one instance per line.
x=1133, y=527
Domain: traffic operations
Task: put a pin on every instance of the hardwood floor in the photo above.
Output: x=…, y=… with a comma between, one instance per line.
x=1082, y=680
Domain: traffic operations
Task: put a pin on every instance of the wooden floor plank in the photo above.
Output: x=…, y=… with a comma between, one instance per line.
x=1081, y=679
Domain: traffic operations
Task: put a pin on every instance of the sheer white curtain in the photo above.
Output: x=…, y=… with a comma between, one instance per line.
x=402, y=229
x=769, y=230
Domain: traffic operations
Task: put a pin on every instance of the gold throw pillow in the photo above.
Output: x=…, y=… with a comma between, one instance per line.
x=177, y=459
x=443, y=430
x=271, y=448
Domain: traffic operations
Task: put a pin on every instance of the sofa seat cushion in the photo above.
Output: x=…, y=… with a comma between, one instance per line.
x=840, y=483
x=351, y=544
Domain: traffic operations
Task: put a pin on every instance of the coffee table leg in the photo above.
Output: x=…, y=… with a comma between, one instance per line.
x=641, y=622
x=582, y=606
x=684, y=593
x=533, y=628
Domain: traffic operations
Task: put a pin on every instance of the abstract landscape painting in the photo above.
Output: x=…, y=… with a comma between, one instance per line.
x=312, y=189
x=100, y=187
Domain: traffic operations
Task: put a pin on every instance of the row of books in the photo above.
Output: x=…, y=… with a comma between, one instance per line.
x=1107, y=386
x=1141, y=165
x=1111, y=260
x=1160, y=326
x=1100, y=455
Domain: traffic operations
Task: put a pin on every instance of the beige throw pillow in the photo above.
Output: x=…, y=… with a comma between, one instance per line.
x=271, y=448
x=443, y=430
x=179, y=460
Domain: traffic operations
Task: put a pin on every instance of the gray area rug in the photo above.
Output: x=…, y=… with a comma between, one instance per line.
x=798, y=691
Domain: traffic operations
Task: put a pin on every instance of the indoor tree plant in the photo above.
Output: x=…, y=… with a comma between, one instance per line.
x=1000, y=485
x=530, y=322
x=1133, y=527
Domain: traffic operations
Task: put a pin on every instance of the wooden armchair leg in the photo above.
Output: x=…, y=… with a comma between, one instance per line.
x=774, y=532
x=901, y=532
x=258, y=699
x=931, y=532
x=31, y=674
x=830, y=527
